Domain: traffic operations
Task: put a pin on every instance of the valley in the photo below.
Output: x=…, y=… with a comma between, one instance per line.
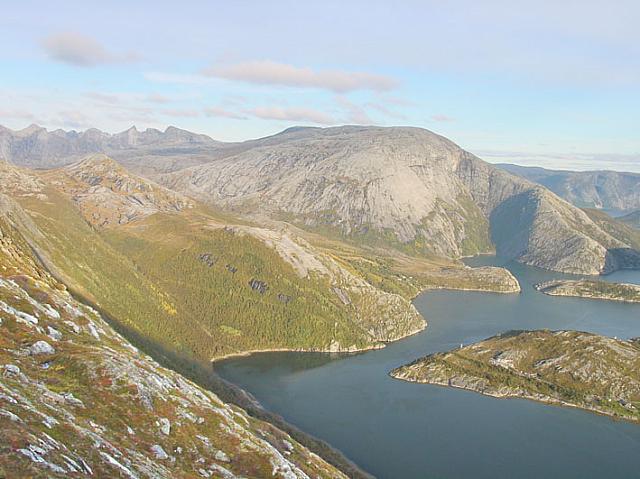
x=307, y=241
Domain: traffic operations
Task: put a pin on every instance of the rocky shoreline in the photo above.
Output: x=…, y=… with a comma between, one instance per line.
x=592, y=289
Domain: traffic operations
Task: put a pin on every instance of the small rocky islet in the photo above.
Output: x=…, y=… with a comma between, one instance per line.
x=592, y=289
x=568, y=368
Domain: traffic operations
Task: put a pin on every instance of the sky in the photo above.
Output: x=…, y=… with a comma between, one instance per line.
x=548, y=83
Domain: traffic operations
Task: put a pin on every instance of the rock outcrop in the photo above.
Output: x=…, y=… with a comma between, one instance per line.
x=108, y=195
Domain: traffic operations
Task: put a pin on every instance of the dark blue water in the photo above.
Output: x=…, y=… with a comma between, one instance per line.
x=396, y=429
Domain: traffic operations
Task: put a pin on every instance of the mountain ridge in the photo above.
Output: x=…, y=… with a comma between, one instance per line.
x=403, y=186
x=604, y=189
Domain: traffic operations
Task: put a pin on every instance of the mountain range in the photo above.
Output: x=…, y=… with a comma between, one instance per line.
x=314, y=239
x=404, y=188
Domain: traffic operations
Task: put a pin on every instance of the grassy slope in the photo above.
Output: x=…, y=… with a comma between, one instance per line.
x=167, y=249
x=119, y=388
x=151, y=278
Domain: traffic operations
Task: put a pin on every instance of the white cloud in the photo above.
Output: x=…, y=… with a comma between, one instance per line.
x=442, y=118
x=176, y=78
x=273, y=73
x=181, y=113
x=223, y=113
x=17, y=115
x=157, y=98
x=292, y=114
x=81, y=50
x=355, y=113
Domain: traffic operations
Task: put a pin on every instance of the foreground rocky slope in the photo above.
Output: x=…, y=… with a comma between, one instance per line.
x=609, y=190
x=77, y=400
x=402, y=187
x=567, y=368
x=629, y=293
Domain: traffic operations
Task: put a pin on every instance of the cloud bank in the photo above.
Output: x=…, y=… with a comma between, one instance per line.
x=281, y=74
x=80, y=50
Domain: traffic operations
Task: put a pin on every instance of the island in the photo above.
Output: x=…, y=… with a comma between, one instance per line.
x=592, y=289
x=568, y=368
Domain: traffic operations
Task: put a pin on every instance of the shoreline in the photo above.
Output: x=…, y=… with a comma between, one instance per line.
x=345, y=352
x=562, y=288
x=373, y=347
x=550, y=401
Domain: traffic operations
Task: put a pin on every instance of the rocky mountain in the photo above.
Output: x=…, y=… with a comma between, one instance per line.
x=607, y=190
x=77, y=400
x=186, y=285
x=194, y=281
x=36, y=147
x=403, y=187
x=568, y=368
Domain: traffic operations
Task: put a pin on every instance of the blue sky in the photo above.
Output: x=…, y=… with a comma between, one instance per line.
x=549, y=83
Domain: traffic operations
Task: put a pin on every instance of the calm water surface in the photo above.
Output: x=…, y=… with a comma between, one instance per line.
x=396, y=429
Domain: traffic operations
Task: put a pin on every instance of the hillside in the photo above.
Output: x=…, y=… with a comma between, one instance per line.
x=405, y=188
x=194, y=282
x=608, y=190
x=107, y=195
x=567, y=368
x=77, y=400
x=632, y=219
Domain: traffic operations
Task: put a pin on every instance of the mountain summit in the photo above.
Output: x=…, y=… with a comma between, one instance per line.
x=408, y=188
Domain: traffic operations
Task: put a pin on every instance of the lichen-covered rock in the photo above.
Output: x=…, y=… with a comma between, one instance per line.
x=41, y=347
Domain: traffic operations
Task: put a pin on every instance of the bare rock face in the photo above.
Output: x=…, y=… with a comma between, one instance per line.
x=404, y=187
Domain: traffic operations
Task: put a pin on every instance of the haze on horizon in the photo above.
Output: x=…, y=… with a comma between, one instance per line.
x=537, y=83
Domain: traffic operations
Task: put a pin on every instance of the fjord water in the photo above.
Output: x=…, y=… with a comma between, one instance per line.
x=396, y=429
